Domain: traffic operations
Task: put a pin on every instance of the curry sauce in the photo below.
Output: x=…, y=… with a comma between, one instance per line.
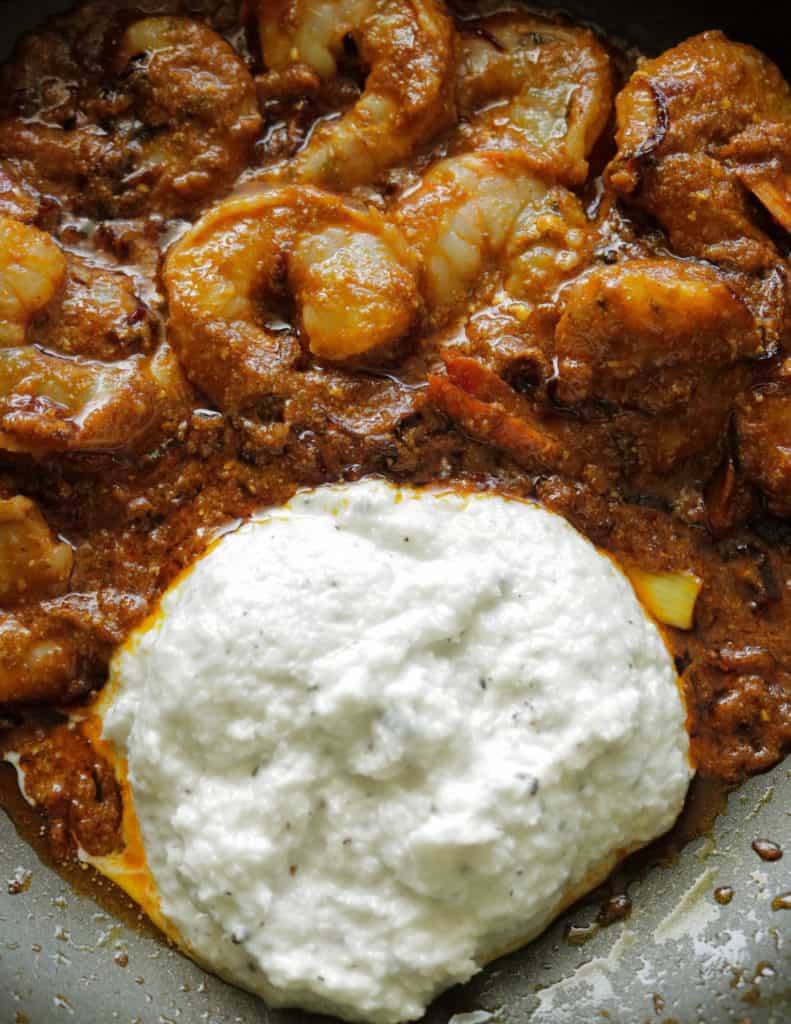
x=570, y=287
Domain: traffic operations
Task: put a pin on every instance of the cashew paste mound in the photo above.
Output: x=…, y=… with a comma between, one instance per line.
x=379, y=736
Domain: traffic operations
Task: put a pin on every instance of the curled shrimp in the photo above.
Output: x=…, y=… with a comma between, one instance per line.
x=55, y=401
x=536, y=85
x=199, y=100
x=178, y=132
x=644, y=333
x=652, y=353
x=485, y=212
x=699, y=127
x=229, y=280
x=408, y=47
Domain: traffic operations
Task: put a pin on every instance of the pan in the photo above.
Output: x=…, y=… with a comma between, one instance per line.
x=707, y=936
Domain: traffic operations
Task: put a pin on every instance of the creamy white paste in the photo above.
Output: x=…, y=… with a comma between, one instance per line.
x=377, y=736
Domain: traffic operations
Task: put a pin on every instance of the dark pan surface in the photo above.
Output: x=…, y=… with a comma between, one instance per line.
x=654, y=27
x=680, y=957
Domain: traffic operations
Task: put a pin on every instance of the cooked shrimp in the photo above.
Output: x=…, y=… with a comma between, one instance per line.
x=643, y=333
x=541, y=441
x=99, y=316
x=697, y=128
x=490, y=210
x=33, y=563
x=32, y=272
x=407, y=45
x=532, y=84
x=178, y=132
x=350, y=273
x=187, y=80
x=56, y=401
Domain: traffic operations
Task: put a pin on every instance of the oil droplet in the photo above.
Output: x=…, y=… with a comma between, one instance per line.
x=782, y=902
x=762, y=970
x=615, y=909
x=767, y=850
x=723, y=895
x=19, y=882
x=62, y=1003
x=122, y=959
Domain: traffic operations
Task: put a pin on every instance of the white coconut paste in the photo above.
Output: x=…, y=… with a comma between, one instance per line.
x=375, y=738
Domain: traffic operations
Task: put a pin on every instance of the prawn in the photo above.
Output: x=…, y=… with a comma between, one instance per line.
x=348, y=272
x=408, y=47
x=697, y=129
x=535, y=85
x=53, y=401
x=488, y=229
x=179, y=132
x=490, y=210
x=652, y=352
x=645, y=332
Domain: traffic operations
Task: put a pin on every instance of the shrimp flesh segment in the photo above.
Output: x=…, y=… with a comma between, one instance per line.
x=181, y=128
x=643, y=332
x=348, y=272
x=697, y=128
x=56, y=402
x=535, y=85
x=37, y=659
x=408, y=47
x=32, y=273
x=484, y=211
x=34, y=564
x=99, y=315
x=200, y=99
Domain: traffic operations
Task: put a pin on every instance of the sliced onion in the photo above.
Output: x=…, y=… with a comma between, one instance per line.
x=669, y=596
